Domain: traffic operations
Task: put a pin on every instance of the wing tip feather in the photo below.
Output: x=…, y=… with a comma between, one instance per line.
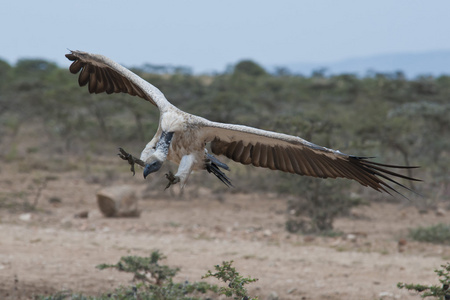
x=378, y=170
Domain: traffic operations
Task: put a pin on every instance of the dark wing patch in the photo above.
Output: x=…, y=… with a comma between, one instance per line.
x=101, y=78
x=311, y=161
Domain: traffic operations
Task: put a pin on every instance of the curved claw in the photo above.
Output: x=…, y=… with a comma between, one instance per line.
x=131, y=159
x=172, y=179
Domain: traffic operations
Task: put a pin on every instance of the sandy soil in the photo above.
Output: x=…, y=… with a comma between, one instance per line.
x=49, y=250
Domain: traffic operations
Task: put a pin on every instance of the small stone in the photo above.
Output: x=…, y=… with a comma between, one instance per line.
x=273, y=296
x=440, y=212
x=81, y=215
x=290, y=291
x=351, y=237
x=385, y=294
x=388, y=295
x=118, y=201
x=309, y=238
x=402, y=242
x=401, y=245
x=25, y=217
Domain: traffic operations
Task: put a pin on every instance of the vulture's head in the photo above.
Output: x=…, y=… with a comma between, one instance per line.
x=152, y=167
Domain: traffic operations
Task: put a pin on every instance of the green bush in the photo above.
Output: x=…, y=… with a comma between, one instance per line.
x=155, y=282
x=145, y=269
x=438, y=234
x=320, y=203
x=441, y=292
x=236, y=285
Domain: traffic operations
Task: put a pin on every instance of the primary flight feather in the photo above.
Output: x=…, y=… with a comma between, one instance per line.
x=182, y=137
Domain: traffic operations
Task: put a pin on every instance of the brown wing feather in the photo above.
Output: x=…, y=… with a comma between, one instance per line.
x=102, y=78
x=291, y=154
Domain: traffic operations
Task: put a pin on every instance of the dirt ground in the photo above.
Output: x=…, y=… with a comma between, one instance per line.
x=48, y=249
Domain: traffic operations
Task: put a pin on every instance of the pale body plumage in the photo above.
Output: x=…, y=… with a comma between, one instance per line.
x=184, y=144
x=182, y=137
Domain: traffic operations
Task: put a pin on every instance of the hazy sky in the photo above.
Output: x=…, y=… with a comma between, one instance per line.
x=208, y=34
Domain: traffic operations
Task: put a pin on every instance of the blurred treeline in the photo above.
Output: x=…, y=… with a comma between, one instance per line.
x=396, y=120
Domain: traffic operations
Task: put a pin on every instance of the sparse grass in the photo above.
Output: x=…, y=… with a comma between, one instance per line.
x=53, y=164
x=255, y=257
x=384, y=252
x=13, y=153
x=15, y=202
x=342, y=248
x=54, y=200
x=26, y=201
x=41, y=184
x=437, y=234
x=331, y=233
x=203, y=236
x=173, y=224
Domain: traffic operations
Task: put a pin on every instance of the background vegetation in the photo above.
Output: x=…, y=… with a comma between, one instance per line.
x=396, y=120
x=153, y=281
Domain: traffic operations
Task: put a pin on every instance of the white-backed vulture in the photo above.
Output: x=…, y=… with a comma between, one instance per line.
x=182, y=137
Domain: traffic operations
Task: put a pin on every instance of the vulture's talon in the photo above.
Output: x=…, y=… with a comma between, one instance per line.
x=130, y=158
x=172, y=179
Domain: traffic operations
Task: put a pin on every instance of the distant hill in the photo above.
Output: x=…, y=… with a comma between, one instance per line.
x=434, y=63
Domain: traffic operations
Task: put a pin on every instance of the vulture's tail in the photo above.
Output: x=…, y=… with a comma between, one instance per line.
x=213, y=165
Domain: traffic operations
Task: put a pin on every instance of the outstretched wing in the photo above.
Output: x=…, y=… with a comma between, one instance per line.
x=277, y=151
x=104, y=75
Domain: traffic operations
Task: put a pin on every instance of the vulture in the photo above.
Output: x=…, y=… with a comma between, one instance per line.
x=183, y=138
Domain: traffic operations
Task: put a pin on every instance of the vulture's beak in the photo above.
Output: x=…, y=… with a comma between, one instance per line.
x=152, y=167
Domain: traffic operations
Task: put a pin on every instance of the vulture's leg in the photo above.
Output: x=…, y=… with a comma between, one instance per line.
x=131, y=159
x=184, y=170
